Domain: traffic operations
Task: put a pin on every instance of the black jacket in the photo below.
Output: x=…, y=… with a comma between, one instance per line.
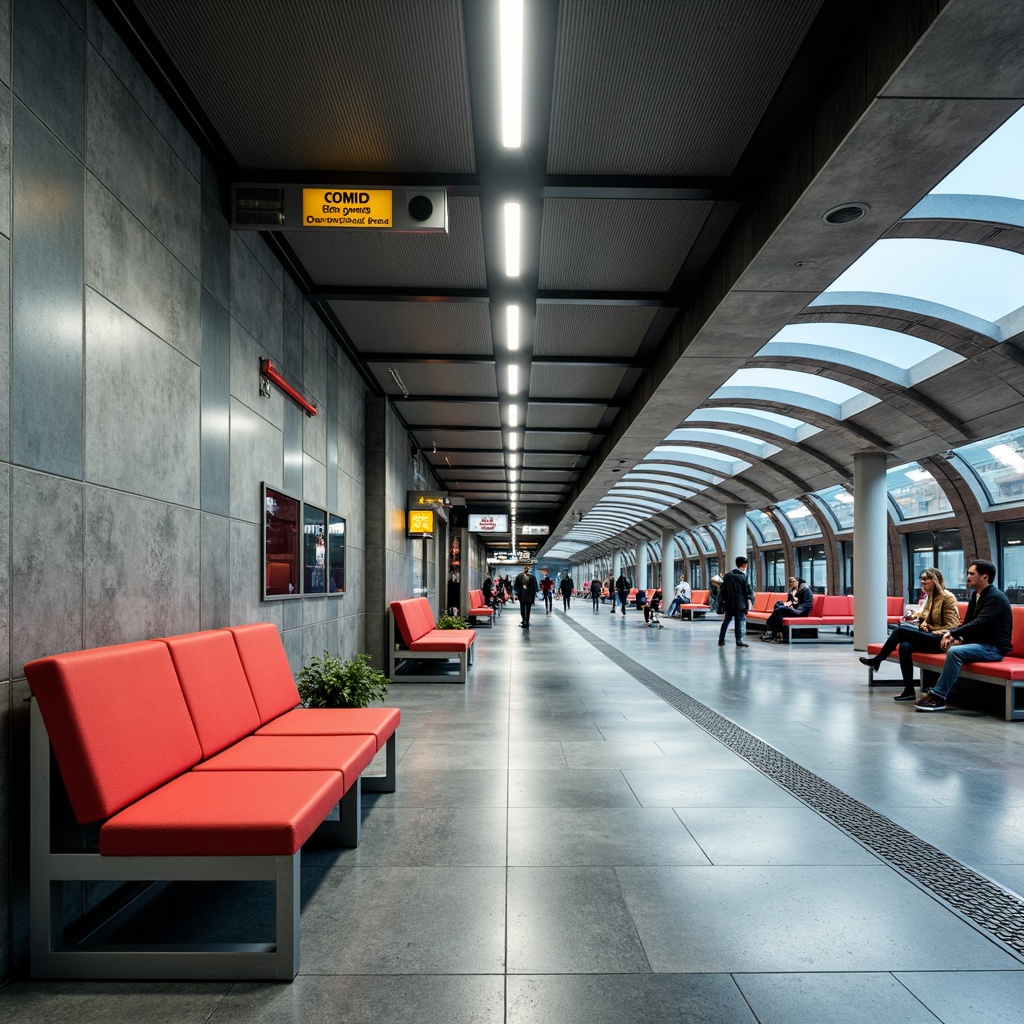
x=989, y=620
x=736, y=594
x=526, y=587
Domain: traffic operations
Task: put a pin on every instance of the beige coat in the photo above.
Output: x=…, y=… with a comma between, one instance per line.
x=939, y=612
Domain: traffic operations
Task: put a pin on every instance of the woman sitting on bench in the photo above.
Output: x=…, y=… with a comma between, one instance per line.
x=921, y=631
x=798, y=604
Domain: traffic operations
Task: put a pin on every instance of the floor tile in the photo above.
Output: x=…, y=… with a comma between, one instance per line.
x=963, y=998
x=570, y=921
x=569, y=789
x=741, y=787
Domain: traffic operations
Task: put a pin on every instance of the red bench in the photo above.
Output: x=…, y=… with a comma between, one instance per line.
x=698, y=605
x=827, y=610
x=1008, y=673
x=191, y=755
x=419, y=639
x=478, y=608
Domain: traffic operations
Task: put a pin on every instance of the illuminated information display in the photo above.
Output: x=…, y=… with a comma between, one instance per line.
x=347, y=208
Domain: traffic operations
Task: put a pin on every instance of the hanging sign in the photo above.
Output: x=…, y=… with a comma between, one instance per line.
x=340, y=207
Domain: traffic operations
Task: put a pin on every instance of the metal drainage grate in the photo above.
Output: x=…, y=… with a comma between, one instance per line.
x=992, y=909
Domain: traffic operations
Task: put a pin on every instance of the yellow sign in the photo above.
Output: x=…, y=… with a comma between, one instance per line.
x=420, y=523
x=342, y=207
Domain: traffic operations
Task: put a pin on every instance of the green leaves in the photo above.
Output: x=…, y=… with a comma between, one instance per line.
x=452, y=622
x=329, y=682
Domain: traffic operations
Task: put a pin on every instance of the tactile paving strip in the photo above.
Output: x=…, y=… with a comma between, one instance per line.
x=992, y=909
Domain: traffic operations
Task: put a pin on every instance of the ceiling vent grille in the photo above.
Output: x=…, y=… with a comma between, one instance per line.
x=263, y=206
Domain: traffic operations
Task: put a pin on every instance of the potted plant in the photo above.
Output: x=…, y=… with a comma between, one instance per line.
x=452, y=622
x=329, y=682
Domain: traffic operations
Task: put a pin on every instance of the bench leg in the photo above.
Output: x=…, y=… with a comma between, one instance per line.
x=385, y=783
x=345, y=829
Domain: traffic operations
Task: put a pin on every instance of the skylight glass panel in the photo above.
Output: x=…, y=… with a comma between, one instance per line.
x=729, y=438
x=700, y=456
x=981, y=280
x=764, y=525
x=892, y=355
x=994, y=168
x=756, y=419
x=821, y=394
x=840, y=502
x=664, y=467
x=799, y=517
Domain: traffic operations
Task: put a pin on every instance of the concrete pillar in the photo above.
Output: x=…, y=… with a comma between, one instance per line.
x=735, y=534
x=616, y=565
x=641, y=565
x=668, y=561
x=870, y=529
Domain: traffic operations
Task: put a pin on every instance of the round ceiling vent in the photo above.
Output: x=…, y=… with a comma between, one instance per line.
x=845, y=214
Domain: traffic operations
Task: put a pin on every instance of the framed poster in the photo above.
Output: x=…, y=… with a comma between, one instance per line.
x=280, y=544
x=335, y=554
x=314, y=550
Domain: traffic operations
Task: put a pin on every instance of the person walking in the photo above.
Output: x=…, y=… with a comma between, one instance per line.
x=609, y=585
x=566, y=588
x=547, y=590
x=526, y=591
x=622, y=592
x=595, y=593
x=735, y=596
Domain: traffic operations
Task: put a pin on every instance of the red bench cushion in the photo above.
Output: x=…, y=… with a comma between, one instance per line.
x=346, y=754
x=380, y=723
x=224, y=814
x=266, y=669
x=445, y=640
x=117, y=721
x=413, y=618
x=216, y=691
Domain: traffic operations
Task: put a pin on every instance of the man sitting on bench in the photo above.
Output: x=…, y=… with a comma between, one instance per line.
x=986, y=633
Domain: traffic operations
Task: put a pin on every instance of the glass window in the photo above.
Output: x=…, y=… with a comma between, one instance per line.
x=846, y=566
x=775, y=575
x=314, y=550
x=794, y=388
x=840, y=501
x=689, y=548
x=916, y=493
x=800, y=520
x=713, y=567
x=703, y=537
x=764, y=526
x=998, y=464
x=696, y=576
x=944, y=550
x=812, y=567
x=1011, y=560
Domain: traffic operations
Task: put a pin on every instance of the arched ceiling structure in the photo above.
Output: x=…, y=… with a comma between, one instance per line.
x=678, y=326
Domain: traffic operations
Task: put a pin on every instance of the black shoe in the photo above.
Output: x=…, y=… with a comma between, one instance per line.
x=721, y=643
x=906, y=695
x=742, y=644
x=870, y=662
x=767, y=637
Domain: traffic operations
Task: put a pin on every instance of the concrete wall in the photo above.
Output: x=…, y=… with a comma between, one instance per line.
x=131, y=324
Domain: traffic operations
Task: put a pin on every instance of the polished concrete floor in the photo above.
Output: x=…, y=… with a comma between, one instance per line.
x=566, y=846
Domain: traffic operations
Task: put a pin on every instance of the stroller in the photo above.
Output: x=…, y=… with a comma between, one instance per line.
x=653, y=610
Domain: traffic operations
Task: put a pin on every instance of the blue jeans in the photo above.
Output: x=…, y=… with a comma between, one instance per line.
x=955, y=657
x=739, y=620
x=676, y=604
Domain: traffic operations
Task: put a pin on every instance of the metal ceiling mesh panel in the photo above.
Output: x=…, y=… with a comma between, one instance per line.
x=388, y=259
x=667, y=88
x=456, y=459
x=569, y=381
x=451, y=414
x=616, y=244
x=564, y=417
x=438, y=378
x=427, y=437
x=384, y=85
x=580, y=331
x=450, y=474
x=536, y=460
x=421, y=328
x=563, y=442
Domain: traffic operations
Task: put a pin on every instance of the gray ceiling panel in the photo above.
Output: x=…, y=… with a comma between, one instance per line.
x=437, y=379
x=427, y=437
x=564, y=417
x=381, y=259
x=667, y=87
x=364, y=86
x=595, y=331
x=616, y=245
x=423, y=328
x=564, y=380
x=533, y=460
x=455, y=414
x=565, y=441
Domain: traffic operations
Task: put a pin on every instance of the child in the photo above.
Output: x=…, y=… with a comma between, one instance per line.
x=652, y=610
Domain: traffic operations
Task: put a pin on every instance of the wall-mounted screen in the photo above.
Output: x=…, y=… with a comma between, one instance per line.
x=335, y=555
x=280, y=544
x=488, y=524
x=314, y=550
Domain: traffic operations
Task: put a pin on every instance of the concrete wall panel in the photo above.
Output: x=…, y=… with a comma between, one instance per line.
x=126, y=264
x=215, y=572
x=215, y=407
x=255, y=301
x=5, y=573
x=47, y=545
x=255, y=459
x=141, y=409
x=142, y=570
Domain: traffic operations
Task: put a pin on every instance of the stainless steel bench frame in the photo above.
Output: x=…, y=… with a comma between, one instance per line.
x=397, y=654
x=52, y=956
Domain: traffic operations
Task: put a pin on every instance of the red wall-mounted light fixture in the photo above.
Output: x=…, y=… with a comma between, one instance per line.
x=268, y=371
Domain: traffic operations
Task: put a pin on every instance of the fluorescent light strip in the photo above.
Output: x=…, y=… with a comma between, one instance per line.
x=513, y=439
x=513, y=379
x=513, y=415
x=512, y=327
x=511, y=46
x=513, y=475
x=512, y=220
x=513, y=458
